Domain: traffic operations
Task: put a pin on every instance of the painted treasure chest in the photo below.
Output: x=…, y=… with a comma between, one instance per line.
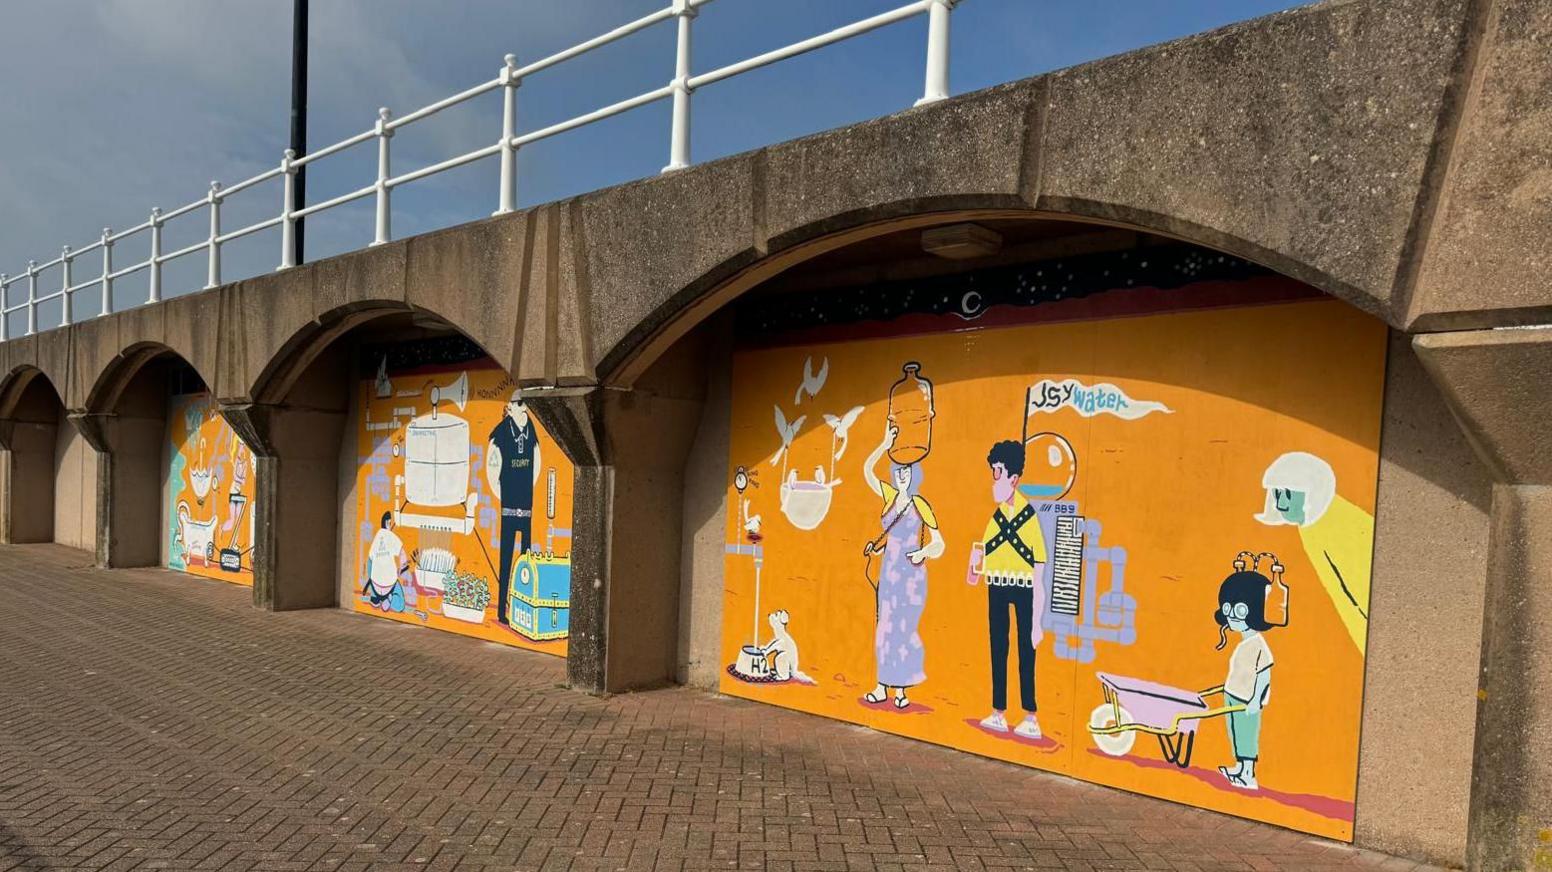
x=540, y=602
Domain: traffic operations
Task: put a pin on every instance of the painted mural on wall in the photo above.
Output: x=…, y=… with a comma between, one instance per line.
x=1134, y=550
x=463, y=501
x=210, y=493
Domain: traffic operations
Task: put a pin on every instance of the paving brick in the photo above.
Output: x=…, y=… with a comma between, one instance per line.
x=155, y=721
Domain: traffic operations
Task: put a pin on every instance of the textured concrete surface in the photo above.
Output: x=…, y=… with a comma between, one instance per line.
x=1390, y=152
x=1511, y=809
x=158, y=722
x=30, y=413
x=1488, y=248
x=1332, y=109
x=1496, y=382
x=1318, y=141
x=1511, y=796
x=1425, y=632
x=75, y=488
x=705, y=519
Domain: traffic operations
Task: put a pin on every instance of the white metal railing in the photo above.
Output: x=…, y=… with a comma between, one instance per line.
x=511, y=76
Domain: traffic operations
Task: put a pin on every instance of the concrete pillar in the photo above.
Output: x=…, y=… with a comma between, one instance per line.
x=629, y=447
x=27, y=481
x=29, y=432
x=128, y=484
x=7, y=428
x=1496, y=383
x=296, y=499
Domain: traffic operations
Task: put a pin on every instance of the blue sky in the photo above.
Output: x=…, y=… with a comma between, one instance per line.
x=115, y=106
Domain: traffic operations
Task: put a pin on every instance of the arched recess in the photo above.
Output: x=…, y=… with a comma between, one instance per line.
x=664, y=374
x=1422, y=461
x=127, y=416
x=398, y=479
x=41, y=465
x=701, y=296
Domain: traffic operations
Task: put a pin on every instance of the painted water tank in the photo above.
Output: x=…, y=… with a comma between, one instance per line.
x=910, y=410
x=436, y=460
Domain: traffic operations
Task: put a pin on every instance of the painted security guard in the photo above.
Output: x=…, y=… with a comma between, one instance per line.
x=1011, y=562
x=511, y=470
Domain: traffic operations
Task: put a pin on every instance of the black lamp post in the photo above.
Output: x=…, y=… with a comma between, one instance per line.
x=299, y=109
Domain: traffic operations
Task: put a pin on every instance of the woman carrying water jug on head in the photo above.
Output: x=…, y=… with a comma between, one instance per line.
x=900, y=585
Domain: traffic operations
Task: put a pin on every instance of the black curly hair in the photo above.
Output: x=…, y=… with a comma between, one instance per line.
x=1009, y=453
x=1248, y=587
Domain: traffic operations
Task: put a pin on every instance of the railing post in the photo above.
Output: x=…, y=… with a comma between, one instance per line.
x=287, y=206
x=107, y=272
x=679, y=142
x=213, y=278
x=937, y=52
x=32, y=297
x=384, y=226
x=155, y=294
x=64, y=286
x=5, y=301
x=509, y=83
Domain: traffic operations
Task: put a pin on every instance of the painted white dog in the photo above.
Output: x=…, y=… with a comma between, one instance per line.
x=785, y=649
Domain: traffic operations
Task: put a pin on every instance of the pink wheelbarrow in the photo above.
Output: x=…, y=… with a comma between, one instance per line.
x=1134, y=706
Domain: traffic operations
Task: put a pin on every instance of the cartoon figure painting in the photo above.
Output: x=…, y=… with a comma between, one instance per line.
x=900, y=586
x=1242, y=607
x=1174, y=715
x=1011, y=560
x=388, y=583
x=783, y=650
x=512, y=470
x=210, y=493
x=1084, y=474
x=1337, y=535
x=466, y=520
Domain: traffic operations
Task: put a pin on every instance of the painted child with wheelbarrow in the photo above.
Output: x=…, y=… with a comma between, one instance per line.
x=1242, y=607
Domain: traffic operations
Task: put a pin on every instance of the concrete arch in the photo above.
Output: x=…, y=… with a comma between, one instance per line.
x=279, y=376
x=124, y=419
x=108, y=386
x=15, y=383
x=47, y=473
x=466, y=278
x=683, y=310
x=294, y=410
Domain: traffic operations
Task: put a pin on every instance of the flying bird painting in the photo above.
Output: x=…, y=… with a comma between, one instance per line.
x=813, y=382
x=788, y=432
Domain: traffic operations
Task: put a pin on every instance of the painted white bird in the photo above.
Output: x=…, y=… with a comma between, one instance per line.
x=813, y=382
x=787, y=431
x=751, y=524
x=841, y=426
x=384, y=385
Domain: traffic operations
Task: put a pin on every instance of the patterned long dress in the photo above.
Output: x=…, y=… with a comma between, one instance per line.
x=902, y=595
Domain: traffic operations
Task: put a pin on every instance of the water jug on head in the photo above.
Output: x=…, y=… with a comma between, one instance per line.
x=910, y=410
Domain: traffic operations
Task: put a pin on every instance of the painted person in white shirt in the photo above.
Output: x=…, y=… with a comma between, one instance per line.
x=1242, y=608
x=387, y=569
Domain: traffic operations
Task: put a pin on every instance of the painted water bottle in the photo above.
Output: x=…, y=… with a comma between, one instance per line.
x=910, y=410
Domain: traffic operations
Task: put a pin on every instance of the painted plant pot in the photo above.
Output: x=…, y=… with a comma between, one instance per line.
x=463, y=613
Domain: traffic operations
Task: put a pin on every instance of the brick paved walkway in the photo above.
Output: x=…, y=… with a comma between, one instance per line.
x=152, y=721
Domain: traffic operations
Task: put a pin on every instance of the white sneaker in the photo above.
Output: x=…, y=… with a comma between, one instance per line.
x=1029, y=728
x=995, y=722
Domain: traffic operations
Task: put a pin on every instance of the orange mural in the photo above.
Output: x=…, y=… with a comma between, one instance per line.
x=210, y=492
x=463, y=501
x=1134, y=550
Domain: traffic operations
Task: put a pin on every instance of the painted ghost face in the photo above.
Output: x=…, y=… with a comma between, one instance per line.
x=1003, y=484
x=1290, y=504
